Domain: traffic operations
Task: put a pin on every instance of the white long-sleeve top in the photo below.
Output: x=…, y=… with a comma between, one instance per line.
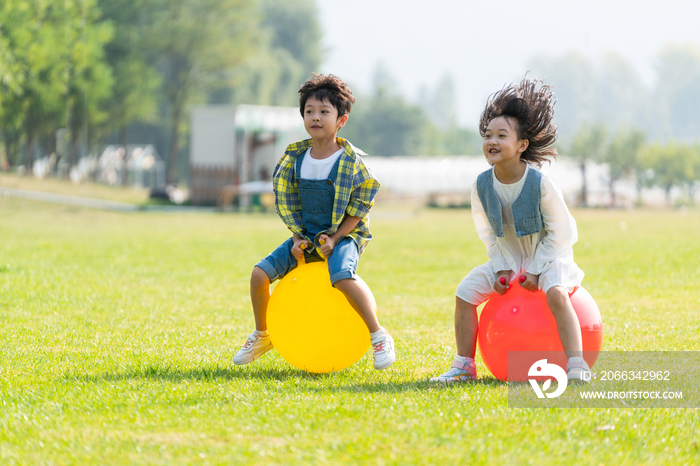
x=548, y=253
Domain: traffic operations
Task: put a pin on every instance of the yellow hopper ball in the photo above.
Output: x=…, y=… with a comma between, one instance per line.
x=312, y=325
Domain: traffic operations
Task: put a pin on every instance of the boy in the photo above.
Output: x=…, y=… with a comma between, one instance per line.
x=323, y=193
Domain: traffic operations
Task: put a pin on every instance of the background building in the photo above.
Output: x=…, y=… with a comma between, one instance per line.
x=237, y=148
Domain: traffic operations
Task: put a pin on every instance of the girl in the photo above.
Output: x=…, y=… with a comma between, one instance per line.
x=521, y=217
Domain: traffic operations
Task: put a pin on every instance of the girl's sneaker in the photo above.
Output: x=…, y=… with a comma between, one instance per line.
x=459, y=372
x=577, y=371
x=383, y=351
x=252, y=349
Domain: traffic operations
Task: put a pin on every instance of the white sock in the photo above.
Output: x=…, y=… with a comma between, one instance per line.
x=576, y=359
x=463, y=359
x=260, y=333
x=378, y=334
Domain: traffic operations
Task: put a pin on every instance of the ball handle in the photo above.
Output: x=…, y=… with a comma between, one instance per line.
x=302, y=261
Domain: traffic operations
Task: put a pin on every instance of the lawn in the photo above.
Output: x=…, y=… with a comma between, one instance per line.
x=117, y=331
x=52, y=185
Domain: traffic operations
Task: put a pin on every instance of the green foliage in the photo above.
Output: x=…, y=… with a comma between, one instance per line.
x=610, y=92
x=89, y=77
x=195, y=41
x=587, y=145
x=117, y=330
x=54, y=55
x=385, y=123
x=672, y=165
x=287, y=52
x=678, y=93
x=136, y=80
x=32, y=31
x=623, y=156
x=295, y=28
x=572, y=77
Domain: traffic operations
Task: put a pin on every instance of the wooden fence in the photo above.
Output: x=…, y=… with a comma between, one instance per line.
x=207, y=182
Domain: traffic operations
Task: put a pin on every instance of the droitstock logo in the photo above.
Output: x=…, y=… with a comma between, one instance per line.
x=542, y=368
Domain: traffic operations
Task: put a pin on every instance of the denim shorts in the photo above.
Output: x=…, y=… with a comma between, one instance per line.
x=341, y=265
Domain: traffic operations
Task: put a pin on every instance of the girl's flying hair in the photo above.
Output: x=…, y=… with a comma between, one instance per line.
x=530, y=110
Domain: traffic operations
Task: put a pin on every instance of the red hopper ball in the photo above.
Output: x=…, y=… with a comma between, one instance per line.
x=520, y=321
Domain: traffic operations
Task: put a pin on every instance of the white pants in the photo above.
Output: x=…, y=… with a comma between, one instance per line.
x=478, y=286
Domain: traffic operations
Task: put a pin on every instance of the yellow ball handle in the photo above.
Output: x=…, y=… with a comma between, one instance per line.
x=302, y=261
x=323, y=241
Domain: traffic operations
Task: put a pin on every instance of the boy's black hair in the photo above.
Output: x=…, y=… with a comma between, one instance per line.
x=331, y=88
x=530, y=110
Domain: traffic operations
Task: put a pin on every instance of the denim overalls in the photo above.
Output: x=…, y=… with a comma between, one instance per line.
x=317, y=198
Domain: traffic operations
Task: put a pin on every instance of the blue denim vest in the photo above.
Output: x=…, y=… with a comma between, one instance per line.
x=316, y=198
x=526, y=208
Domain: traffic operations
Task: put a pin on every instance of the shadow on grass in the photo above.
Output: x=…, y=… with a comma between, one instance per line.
x=406, y=386
x=329, y=382
x=203, y=374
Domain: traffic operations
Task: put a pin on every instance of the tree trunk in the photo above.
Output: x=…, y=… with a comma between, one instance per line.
x=611, y=186
x=29, y=153
x=174, y=146
x=73, y=150
x=640, y=201
x=584, y=186
x=10, y=149
x=123, y=142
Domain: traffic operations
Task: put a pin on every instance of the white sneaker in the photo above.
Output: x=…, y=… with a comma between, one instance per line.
x=384, y=355
x=253, y=348
x=577, y=371
x=458, y=373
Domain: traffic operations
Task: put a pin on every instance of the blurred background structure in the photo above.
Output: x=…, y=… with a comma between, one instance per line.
x=85, y=83
x=237, y=148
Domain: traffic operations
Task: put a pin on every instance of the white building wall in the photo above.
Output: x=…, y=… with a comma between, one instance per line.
x=213, y=136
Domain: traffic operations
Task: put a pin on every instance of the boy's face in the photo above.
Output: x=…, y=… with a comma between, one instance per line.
x=321, y=119
x=501, y=143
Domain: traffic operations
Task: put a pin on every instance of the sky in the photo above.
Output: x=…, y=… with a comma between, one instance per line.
x=487, y=44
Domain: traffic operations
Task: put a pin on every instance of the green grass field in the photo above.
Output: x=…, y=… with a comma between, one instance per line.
x=117, y=331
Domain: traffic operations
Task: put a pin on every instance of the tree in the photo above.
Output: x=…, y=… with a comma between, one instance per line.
x=621, y=98
x=136, y=80
x=35, y=102
x=574, y=81
x=671, y=165
x=678, y=92
x=89, y=77
x=195, y=41
x=385, y=123
x=587, y=146
x=694, y=172
x=439, y=103
x=59, y=77
x=11, y=83
x=623, y=156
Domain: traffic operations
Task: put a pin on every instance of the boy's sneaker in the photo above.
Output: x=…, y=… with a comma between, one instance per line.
x=383, y=348
x=253, y=348
x=577, y=371
x=458, y=373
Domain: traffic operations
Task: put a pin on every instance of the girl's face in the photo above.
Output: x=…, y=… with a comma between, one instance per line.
x=501, y=144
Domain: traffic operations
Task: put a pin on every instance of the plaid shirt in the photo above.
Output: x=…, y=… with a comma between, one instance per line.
x=355, y=189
